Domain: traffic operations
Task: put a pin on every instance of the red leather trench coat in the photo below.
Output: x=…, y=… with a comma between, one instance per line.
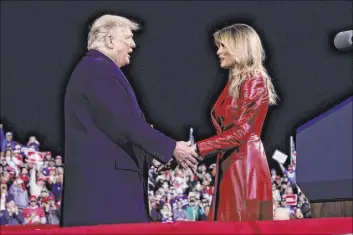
x=243, y=189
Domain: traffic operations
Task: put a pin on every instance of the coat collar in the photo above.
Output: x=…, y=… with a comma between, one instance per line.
x=98, y=54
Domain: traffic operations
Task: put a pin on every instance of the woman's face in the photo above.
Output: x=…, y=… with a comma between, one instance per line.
x=8, y=154
x=205, y=182
x=3, y=188
x=207, y=210
x=226, y=60
x=44, y=194
x=165, y=185
x=208, y=177
x=289, y=190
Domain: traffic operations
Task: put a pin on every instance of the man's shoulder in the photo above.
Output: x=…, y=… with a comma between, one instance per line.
x=94, y=64
x=90, y=67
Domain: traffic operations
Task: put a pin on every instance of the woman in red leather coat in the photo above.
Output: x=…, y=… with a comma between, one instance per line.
x=243, y=189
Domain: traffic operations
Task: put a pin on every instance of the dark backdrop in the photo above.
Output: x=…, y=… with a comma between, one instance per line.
x=174, y=71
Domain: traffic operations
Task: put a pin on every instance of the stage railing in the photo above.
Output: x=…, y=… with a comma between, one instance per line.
x=335, y=226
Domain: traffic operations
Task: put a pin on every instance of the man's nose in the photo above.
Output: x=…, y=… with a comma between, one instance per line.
x=133, y=44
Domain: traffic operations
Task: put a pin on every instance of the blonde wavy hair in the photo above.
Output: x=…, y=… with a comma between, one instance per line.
x=244, y=45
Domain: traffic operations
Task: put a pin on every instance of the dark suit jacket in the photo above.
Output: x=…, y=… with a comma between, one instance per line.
x=108, y=147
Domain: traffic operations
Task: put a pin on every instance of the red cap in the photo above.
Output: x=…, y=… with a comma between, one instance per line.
x=44, y=199
x=32, y=197
x=10, y=169
x=19, y=156
x=40, y=179
x=24, y=177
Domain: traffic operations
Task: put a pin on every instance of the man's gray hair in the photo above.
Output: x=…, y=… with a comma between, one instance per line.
x=103, y=25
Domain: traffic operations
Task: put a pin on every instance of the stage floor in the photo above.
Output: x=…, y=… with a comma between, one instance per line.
x=301, y=226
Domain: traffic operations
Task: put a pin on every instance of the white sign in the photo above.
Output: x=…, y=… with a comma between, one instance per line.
x=280, y=157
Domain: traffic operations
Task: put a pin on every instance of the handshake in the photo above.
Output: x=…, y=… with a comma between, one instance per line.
x=186, y=156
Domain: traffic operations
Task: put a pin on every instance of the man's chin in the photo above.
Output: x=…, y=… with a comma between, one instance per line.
x=125, y=63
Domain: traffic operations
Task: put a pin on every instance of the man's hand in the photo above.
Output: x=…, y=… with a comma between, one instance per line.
x=186, y=155
x=15, y=210
x=198, y=156
x=46, y=207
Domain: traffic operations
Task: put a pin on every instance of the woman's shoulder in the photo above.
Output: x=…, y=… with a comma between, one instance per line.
x=255, y=81
x=255, y=78
x=252, y=87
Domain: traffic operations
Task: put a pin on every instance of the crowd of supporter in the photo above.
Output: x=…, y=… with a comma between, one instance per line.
x=180, y=195
x=289, y=202
x=32, y=181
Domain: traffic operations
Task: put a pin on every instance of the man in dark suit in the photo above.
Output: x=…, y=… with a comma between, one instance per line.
x=108, y=144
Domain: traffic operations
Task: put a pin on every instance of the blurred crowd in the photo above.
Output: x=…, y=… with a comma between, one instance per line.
x=289, y=202
x=179, y=194
x=32, y=181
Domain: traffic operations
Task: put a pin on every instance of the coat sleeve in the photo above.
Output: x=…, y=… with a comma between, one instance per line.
x=251, y=96
x=113, y=113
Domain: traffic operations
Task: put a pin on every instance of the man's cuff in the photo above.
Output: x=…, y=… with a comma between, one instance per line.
x=197, y=150
x=199, y=156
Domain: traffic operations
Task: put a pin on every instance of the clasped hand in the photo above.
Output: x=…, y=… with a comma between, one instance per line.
x=185, y=155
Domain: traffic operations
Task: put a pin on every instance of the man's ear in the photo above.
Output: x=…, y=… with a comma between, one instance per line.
x=108, y=40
